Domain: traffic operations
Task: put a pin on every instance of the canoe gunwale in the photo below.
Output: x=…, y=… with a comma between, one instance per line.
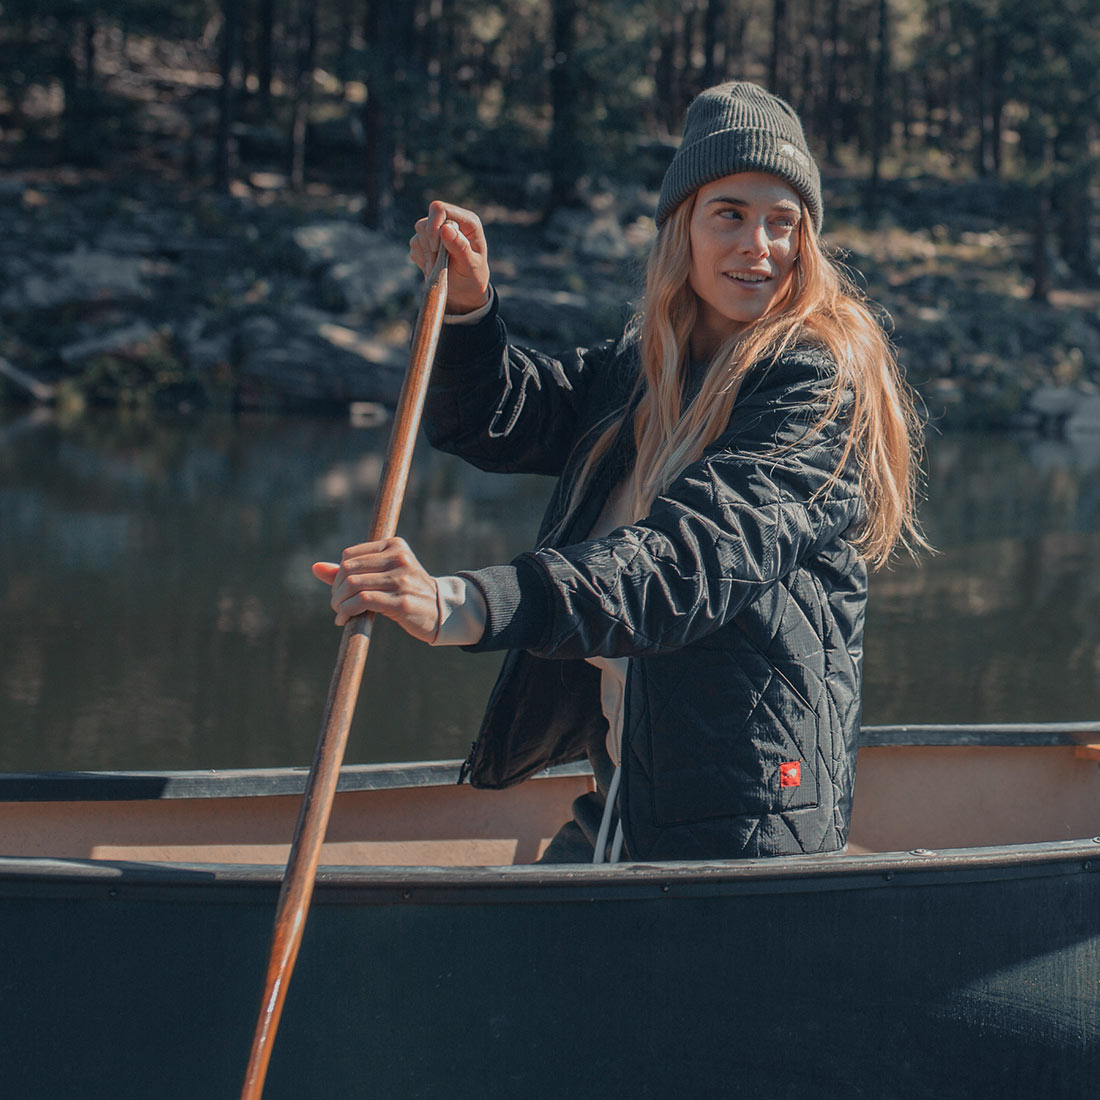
x=122, y=786
x=533, y=882
x=116, y=786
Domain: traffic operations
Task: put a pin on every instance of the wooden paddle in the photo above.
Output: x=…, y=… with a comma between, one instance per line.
x=305, y=852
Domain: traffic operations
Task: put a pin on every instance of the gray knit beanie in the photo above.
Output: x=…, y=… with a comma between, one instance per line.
x=739, y=127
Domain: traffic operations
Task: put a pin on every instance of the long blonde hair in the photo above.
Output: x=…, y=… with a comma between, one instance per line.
x=821, y=307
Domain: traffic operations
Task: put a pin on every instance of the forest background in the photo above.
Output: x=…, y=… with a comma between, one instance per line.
x=206, y=202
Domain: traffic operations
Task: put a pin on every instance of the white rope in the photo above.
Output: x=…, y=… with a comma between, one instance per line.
x=617, y=843
x=605, y=821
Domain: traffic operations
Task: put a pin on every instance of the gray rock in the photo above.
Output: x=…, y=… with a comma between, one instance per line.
x=368, y=284
x=127, y=243
x=126, y=338
x=324, y=243
x=259, y=330
x=596, y=235
x=82, y=276
x=304, y=356
x=1084, y=418
x=356, y=268
x=204, y=348
x=1053, y=402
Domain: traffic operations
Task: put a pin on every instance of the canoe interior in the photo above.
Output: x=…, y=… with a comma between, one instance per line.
x=968, y=792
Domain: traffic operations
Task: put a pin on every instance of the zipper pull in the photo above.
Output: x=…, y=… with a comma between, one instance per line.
x=467, y=764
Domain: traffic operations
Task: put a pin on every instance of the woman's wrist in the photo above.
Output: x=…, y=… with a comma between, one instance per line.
x=472, y=316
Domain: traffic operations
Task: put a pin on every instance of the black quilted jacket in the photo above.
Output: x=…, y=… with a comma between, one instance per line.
x=739, y=601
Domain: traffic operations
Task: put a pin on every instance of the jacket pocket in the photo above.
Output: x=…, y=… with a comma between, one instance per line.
x=723, y=739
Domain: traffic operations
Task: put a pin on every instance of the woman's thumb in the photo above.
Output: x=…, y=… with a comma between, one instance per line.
x=325, y=571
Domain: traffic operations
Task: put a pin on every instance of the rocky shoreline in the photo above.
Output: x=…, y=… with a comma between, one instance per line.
x=146, y=294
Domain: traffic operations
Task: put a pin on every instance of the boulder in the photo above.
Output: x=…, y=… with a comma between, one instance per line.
x=82, y=276
x=595, y=235
x=1084, y=418
x=126, y=338
x=303, y=357
x=203, y=346
x=1053, y=403
x=356, y=269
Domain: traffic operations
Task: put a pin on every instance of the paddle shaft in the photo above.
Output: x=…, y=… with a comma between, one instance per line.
x=309, y=835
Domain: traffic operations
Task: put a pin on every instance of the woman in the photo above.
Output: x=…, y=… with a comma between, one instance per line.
x=692, y=616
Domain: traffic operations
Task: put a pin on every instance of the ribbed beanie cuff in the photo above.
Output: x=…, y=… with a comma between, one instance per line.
x=739, y=127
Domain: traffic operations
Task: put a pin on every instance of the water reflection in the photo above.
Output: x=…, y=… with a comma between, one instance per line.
x=1002, y=623
x=158, y=610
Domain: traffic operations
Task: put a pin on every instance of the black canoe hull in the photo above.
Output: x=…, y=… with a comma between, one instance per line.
x=903, y=976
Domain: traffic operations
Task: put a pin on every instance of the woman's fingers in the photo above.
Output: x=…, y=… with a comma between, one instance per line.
x=325, y=571
x=386, y=578
x=460, y=232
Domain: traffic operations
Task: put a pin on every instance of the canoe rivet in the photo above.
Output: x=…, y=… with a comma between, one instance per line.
x=665, y=889
x=406, y=895
x=921, y=852
x=1088, y=865
x=112, y=892
x=888, y=876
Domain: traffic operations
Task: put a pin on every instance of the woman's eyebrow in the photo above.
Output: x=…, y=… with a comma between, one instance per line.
x=783, y=204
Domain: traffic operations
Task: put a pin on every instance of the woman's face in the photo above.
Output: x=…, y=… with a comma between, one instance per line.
x=744, y=244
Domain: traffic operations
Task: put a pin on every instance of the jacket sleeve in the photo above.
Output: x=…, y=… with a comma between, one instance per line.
x=755, y=506
x=504, y=408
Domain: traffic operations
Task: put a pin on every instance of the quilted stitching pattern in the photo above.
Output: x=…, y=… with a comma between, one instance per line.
x=738, y=600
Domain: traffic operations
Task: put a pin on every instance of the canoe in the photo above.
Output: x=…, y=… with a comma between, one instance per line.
x=953, y=951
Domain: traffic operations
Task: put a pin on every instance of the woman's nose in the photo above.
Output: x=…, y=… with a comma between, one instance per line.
x=755, y=240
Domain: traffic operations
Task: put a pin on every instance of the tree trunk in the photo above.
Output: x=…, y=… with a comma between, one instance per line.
x=999, y=95
x=713, y=51
x=265, y=53
x=831, y=106
x=380, y=113
x=880, y=114
x=303, y=91
x=74, y=135
x=1071, y=197
x=808, y=78
x=224, y=157
x=446, y=60
x=1040, y=246
x=778, y=60
x=665, y=75
x=983, y=154
x=566, y=150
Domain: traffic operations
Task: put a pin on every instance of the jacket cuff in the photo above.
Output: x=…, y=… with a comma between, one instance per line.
x=461, y=345
x=516, y=605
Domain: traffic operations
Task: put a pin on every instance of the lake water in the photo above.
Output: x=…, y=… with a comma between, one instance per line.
x=157, y=608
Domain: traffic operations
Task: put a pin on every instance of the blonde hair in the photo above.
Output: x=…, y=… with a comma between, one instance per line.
x=820, y=307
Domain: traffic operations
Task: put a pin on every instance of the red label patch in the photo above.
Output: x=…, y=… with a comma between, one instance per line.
x=790, y=775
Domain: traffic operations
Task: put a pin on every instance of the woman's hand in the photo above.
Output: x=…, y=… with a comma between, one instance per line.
x=461, y=234
x=384, y=577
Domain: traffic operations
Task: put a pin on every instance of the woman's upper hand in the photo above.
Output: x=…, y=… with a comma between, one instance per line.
x=462, y=235
x=384, y=577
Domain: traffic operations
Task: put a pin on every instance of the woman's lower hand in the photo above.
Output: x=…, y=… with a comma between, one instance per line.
x=460, y=232
x=384, y=577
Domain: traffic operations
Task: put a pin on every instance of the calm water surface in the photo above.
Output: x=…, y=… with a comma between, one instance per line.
x=157, y=608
